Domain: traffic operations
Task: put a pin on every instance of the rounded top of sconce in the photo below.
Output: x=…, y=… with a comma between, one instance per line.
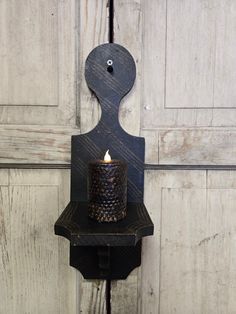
x=110, y=71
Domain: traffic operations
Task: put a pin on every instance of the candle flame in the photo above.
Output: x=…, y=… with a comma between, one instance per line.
x=107, y=156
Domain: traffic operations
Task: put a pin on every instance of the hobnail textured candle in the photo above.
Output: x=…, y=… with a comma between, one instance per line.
x=107, y=190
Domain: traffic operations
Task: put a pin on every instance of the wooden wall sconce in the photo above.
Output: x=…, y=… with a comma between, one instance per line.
x=106, y=250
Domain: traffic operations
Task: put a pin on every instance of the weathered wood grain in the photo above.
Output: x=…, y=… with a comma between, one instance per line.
x=6, y=304
x=224, y=93
x=52, y=145
x=124, y=294
x=38, y=44
x=219, y=244
x=128, y=33
x=181, y=146
x=188, y=72
x=221, y=179
x=35, y=144
x=202, y=74
x=188, y=265
x=38, y=62
x=82, y=34
x=34, y=266
x=93, y=31
x=4, y=178
x=155, y=182
x=197, y=146
x=182, y=270
x=200, y=238
x=153, y=62
x=92, y=296
x=29, y=59
x=151, y=145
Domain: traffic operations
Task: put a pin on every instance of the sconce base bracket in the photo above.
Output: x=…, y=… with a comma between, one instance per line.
x=104, y=250
x=110, y=263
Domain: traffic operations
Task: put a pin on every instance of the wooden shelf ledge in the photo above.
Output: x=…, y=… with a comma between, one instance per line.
x=75, y=225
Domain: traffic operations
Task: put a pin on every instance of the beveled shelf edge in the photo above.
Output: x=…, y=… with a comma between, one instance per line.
x=106, y=239
x=120, y=240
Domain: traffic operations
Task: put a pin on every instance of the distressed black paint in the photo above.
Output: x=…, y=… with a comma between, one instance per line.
x=110, y=88
x=101, y=250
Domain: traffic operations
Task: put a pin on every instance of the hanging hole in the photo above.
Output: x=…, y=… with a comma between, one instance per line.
x=110, y=69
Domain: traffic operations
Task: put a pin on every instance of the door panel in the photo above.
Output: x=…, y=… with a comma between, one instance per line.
x=43, y=95
x=188, y=264
x=30, y=55
x=34, y=270
x=37, y=61
x=202, y=75
x=188, y=64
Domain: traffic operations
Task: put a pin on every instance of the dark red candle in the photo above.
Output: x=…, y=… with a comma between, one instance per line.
x=107, y=189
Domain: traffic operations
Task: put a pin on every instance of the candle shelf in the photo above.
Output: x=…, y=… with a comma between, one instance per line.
x=106, y=250
x=87, y=235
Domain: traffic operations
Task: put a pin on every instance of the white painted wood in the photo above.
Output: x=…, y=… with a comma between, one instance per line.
x=93, y=31
x=220, y=275
x=149, y=282
x=155, y=183
x=92, y=296
x=6, y=304
x=190, y=72
x=37, y=88
x=128, y=33
x=225, y=59
x=125, y=294
x=197, y=146
x=34, y=266
x=221, y=179
x=4, y=178
x=43, y=177
x=188, y=63
x=38, y=62
x=68, y=34
x=182, y=269
x=51, y=145
x=188, y=264
x=202, y=74
x=153, y=61
x=190, y=146
x=29, y=58
x=36, y=144
x=151, y=146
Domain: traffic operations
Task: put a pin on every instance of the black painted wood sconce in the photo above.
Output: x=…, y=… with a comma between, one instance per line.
x=106, y=250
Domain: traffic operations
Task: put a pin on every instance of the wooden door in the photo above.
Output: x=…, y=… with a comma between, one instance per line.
x=37, y=116
x=185, y=98
x=183, y=103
